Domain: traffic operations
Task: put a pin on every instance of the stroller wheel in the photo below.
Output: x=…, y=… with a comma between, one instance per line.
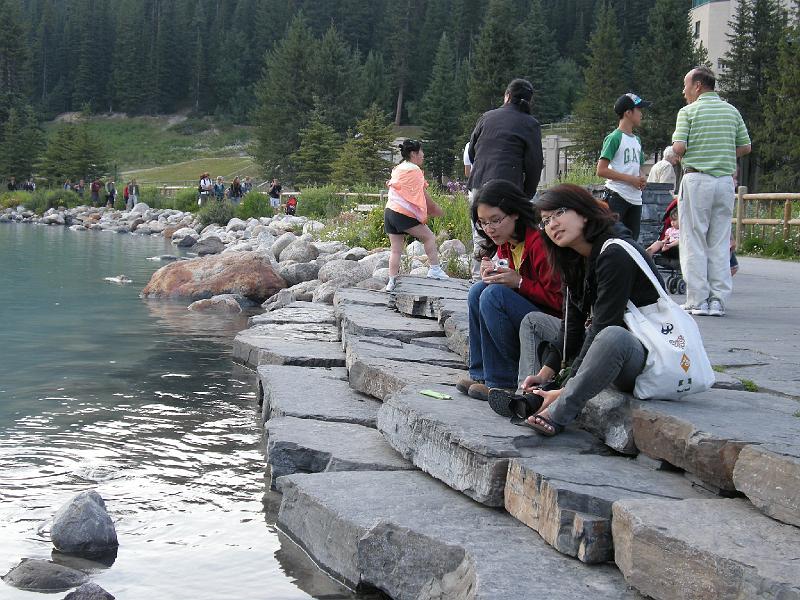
x=681, y=286
x=672, y=285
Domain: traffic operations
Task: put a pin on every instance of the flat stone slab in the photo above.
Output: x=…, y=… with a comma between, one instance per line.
x=372, y=321
x=382, y=377
x=769, y=476
x=705, y=433
x=567, y=498
x=309, y=446
x=454, y=319
x=325, y=395
x=414, y=538
x=392, y=349
x=705, y=549
x=256, y=346
x=463, y=443
x=298, y=313
x=420, y=296
x=346, y=296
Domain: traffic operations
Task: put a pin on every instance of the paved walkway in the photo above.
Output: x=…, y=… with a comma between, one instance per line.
x=759, y=339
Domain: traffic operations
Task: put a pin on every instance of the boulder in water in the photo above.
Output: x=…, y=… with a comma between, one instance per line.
x=83, y=527
x=36, y=575
x=89, y=591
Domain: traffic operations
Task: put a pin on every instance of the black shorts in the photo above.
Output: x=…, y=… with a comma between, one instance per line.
x=396, y=223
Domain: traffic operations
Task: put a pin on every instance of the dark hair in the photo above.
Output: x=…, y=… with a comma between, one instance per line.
x=599, y=221
x=409, y=146
x=520, y=92
x=705, y=77
x=512, y=201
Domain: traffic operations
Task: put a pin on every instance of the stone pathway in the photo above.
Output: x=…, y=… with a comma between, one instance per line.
x=441, y=498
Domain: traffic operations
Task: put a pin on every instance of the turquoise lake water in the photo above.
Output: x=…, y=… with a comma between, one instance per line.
x=139, y=400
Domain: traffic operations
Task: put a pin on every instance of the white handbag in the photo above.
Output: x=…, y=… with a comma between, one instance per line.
x=677, y=364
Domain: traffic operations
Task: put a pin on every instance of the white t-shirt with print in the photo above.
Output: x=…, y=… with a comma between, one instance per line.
x=624, y=155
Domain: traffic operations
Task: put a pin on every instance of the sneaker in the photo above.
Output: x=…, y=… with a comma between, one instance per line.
x=701, y=310
x=715, y=308
x=436, y=272
x=391, y=284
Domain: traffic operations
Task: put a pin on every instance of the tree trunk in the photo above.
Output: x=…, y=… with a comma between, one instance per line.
x=399, y=109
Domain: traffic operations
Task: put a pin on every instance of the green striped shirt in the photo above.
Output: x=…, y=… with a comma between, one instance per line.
x=712, y=129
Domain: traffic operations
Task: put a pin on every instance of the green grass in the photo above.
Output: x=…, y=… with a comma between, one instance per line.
x=188, y=172
x=718, y=368
x=749, y=385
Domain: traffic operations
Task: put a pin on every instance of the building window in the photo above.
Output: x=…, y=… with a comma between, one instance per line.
x=696, y=29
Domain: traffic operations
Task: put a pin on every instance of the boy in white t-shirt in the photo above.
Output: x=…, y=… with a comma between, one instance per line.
x=620, y=163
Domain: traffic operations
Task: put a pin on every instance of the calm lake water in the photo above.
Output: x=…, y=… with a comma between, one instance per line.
x=139, y=400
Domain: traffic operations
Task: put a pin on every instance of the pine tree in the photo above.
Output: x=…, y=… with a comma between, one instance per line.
x=658, y=80
x=131, y=79
x=319, y=145
x=374, y=82
x=779, y=138
x=362, y=160
x=537, y=59
x=14, y=60
x=439, y=119
x=284, y=95
x=400, y=19
x=602, y=77
x=22, y=143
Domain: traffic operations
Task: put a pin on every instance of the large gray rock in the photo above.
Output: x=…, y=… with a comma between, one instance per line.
x=608, y=416
x=463, y=443
x=82, y=526
x=282, y=242
x=420, y=296
x=454, y=319
x=209, y=245
x=36, y=575
x=325, y=292
x=705, y=433
x=769, y=476
x=403, y=535
x=299, y=251
x=567, y=498
x=330, y=247
x=266, y=345
x=309, y=446
x=370, y=321
x=89, y=591
x=358, y=347
x=298, y=272
x=325, y=395
x=224, y=303
x=299, y=313
x=344, y=272
x=705, y=549
x=381, y=377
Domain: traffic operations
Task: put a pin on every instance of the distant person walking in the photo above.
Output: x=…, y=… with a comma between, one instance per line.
x=247, y=186
x=621, y=161
x=664, y=170
x=205, y=188
x=111, y=194
x=709, y=136
x=505, y=144
x=275, y=194
x=94, y=190
x=219, y=189
x=133, y=194
x=80, y=188
x=235, y=192
x=12, y=184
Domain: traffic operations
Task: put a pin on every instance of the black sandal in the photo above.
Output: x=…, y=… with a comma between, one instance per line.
x=508, y=403
x=549, y=428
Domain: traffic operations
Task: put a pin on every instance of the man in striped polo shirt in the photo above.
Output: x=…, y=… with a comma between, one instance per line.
x=710, y=135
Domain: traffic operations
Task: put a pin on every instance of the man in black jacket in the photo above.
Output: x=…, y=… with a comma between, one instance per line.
x=506, y=144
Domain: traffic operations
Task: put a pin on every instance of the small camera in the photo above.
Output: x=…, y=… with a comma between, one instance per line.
x=500, y=263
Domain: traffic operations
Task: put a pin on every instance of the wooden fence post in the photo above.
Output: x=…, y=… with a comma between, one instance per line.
x=739, y=209
x=787, y=216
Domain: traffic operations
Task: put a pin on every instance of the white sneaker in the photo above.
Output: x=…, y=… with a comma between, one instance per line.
x=701, y=310
x=436, y=272
x=391, y=284
x=715, y=308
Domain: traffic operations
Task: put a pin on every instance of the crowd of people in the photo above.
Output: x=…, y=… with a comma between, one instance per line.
x=555, y=273
x=216, y=189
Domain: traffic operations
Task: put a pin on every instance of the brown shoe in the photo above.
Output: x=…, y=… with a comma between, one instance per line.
x=464, y=384
x=478, y=391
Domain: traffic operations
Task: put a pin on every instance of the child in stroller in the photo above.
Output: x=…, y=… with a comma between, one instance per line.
x=666, y=255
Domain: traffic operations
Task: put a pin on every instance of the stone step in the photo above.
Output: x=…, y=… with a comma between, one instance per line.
x=463, y=443
x=568, y=498
x=413, y=538
x=420, y=296
x=392, y=349
x=454, y=319
x=309, y=346
x=705, y=549
x=308, y=446
x=298, y=313
x=346, y=296
x=372, y=321
x=705, y=433
x=382, y=377
x=317, y=393
x=769, y=475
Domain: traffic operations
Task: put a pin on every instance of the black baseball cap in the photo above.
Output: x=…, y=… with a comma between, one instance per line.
x=629, y=101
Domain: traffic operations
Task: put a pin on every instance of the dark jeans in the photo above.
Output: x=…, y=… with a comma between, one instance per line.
x=630, y=215
x=495, y=313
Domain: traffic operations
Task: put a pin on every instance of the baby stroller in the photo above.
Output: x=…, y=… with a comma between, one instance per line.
x=668, y=263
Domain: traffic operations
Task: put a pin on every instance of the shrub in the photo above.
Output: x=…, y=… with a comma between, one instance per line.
x=356, y=229
x=254, y=205
x=456, y=221
x=186, y=200
x=321, y=203
x=215, y=212
x=41, y=200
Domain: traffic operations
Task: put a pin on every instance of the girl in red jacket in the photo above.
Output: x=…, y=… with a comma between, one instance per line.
x=520, y=281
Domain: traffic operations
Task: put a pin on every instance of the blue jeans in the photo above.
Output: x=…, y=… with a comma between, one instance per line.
x=495, y=313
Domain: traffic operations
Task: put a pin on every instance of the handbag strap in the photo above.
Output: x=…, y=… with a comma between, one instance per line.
x=639, y=260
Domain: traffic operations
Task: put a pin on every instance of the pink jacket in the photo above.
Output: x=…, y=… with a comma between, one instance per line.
x=407, y=191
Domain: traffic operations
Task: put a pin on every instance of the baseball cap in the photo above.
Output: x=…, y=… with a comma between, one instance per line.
x=629, y=101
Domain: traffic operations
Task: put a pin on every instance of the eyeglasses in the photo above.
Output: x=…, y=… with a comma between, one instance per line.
x=483, y=225
x=556, y=214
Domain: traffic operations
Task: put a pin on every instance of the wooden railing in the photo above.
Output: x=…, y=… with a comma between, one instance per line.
x=764, y=203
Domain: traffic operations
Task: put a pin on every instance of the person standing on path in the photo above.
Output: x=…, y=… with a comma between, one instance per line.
x=709, y=136
x=506, y=144
x=275, y=195
x=621, y=160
